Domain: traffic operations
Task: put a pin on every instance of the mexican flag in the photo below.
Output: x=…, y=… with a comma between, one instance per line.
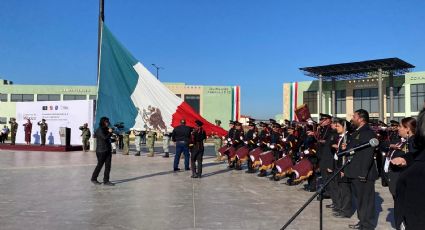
x=129, y=93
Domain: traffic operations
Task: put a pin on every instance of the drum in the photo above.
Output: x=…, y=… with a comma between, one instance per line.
x=266, y=160
x=242, y=153
x=223, y=150
x=255, y=156
x=302, y=170
x=232, y=153
x=284, y=166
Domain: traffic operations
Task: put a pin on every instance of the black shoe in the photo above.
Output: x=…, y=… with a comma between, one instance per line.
x=250, y=171
x=186, y=169
x=330, y=206
x=194, y=176
x=95, y=182
x=166, y=155
x=176, y=169
x=199, y=175
x=262, y=174
x=354, y=226
x=108, y=183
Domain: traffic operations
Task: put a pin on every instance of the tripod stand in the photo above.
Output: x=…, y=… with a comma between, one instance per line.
x=320, y=194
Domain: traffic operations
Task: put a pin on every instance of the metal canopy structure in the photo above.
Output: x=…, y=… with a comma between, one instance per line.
x=357, y=70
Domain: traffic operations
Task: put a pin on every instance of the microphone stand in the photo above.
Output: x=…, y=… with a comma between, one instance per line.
x=319, y=194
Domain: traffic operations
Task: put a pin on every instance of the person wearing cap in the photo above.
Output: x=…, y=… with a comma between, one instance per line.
x=251, y=140
x=198, y=137
x=27, y=131
x=218, y=142
x=393, y=136
x=13, y=130
x=103, y=151
x=43, y=130
x=230, y=132
x=362, y=171
x=151, y=142
x=181, y=136
x=85, y=135
x=325, y=137
x=264, y=135
x=237, y=141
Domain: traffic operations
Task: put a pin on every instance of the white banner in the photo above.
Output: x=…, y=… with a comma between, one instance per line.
x=71, y=114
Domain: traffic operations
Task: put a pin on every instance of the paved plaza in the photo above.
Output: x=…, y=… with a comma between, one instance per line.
x=48, y=190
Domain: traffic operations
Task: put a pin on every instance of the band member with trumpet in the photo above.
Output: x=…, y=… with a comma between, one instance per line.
x=43, y=130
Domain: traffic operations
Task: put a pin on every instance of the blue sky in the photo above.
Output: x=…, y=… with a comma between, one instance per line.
x=255, y=44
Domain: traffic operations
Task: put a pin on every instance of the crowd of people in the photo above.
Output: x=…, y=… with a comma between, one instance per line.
x=308, y=151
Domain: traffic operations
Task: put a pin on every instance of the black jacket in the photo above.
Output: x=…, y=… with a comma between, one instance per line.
x=362, y=163
x=324, y=150
x=103, y=140
x=198, y=138
x=410, y=200
x=181, y=133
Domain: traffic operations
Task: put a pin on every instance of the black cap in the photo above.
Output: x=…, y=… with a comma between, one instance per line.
x=231, y=122
x=199, y=123
x=217, y=121
x=394, y=123
x=238, y=123
x=276, y=125
x=381, y=123
x=251, y=124
x=43, y=119
x=251, y=120
x=325, y=116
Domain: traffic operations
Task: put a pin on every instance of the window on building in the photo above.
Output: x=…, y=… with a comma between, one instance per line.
x=310, y=98
x=417, y=97
x=340, y=101
x=194, y=101
x=366, y=99
x=3, y=97
x=92, y=97
x=3, y=120
x=48, y=97
x=67, y=97
x=21, y=97
x=398, y=100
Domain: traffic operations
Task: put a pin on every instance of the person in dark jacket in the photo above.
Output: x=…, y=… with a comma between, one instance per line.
x=409, y=202
x=103, y=151
x=198, y=138
x=181, y=136
x=362, y=172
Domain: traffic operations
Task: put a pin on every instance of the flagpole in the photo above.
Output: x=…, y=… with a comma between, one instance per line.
x=99, y=35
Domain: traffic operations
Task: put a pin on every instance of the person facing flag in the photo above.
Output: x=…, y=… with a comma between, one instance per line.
x=128, y=92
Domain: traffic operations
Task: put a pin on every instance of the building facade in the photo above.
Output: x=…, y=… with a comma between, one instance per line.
x=211, y=102
x=350, y=95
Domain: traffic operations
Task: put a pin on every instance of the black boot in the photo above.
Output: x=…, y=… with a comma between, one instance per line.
x=167, y=155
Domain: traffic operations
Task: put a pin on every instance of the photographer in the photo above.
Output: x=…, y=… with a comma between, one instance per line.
x=43, y=131
x=103, y=151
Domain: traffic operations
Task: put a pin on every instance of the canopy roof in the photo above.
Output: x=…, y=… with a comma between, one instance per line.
x=357, y=70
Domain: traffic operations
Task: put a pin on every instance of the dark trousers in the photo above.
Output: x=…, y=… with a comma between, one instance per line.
x=196, y=156
x=365, y=192
x=330, y=189
x=103, y=158
x=181, y=147
x=343, y=198
x=43, y=138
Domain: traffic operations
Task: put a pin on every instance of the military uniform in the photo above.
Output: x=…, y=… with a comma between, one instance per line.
x=85, y=135
x=251, y=139
x=43, y=131
x=166, y=144
x=197, y=152
x=126, y=143
x=218, y=142
x=13, y=131
x=151, y=142
x=137, y=141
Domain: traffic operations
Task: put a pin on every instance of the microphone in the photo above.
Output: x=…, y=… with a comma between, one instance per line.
x=372, y=143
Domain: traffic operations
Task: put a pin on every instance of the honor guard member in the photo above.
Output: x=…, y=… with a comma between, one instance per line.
x=13, y=130
x=218, y=142
x=275, y=140
x=230, y=133
x=251, y=139
x=43, y=131
x=137, y=140
x=151, y=142
x=166, y=144
x=237, y=140
x=264, y=135
x=198, y=137
x=362, y=171
x=126, y=143
x=85, y=135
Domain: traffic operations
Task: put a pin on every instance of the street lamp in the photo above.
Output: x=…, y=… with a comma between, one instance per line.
x=157, y=70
